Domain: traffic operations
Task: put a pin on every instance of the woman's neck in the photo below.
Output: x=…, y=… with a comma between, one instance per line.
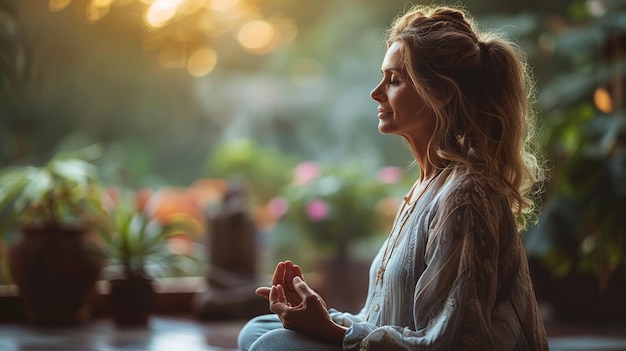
x=420, y=153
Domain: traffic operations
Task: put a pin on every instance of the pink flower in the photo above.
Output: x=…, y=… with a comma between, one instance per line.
x=317, y=210
x=277, y=207
x=389, y=175
x=305, y=173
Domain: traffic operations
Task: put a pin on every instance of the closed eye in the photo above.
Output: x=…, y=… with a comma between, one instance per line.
x=393, y=80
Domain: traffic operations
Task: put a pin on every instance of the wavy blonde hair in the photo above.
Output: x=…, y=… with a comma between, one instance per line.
x=481, y=90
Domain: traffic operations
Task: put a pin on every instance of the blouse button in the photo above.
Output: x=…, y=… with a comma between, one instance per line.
x=376, y=307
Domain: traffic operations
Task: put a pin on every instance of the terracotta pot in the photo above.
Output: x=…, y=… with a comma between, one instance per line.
x=55, y=269
x=131, y=301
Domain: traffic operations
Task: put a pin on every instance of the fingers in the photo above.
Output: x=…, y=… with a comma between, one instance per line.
x=302, y=288
x=309, y=296
x=288, y=275
x=279, y=273
x=263, y=292
x=284, y=273
x=273, y=296
x=298, y=272
x=291, y=271
x=277, y=295
x=281, y=293
x=278, y=301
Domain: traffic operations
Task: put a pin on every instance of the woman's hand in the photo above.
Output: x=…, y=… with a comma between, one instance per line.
x=310, y=316
x=283, y=275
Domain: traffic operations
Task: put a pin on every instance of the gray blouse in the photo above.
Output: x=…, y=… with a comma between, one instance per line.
x=457, y=279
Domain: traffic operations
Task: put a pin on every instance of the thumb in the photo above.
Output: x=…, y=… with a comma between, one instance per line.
x=263, y=292
x=310, y=299
x=303, y=289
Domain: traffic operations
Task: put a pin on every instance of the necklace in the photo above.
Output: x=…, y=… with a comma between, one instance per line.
x=405, y=218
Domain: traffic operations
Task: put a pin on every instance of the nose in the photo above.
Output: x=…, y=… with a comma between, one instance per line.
x=376, y=94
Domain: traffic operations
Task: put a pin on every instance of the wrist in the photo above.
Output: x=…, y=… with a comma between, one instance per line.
x=335, y=334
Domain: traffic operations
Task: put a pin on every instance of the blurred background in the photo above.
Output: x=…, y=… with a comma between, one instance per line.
x=186, y=100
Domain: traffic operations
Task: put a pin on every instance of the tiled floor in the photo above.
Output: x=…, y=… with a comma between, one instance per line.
x=163, y=334
x=173, y=334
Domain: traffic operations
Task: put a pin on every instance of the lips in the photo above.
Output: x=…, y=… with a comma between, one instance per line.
x=382, y=112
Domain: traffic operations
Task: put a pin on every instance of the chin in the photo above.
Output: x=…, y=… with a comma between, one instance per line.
x=383, y=128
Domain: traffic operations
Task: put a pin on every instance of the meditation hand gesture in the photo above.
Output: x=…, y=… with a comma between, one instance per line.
x=298, y=306
x=283, y=275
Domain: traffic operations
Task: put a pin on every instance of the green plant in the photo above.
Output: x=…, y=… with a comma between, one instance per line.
x=582, y=230
x=261, y=168
x=65, y=190
x=138, y=245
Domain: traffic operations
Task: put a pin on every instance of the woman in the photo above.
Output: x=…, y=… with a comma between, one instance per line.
x=453, y=273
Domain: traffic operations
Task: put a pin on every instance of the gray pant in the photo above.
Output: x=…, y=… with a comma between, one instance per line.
x=266, y=333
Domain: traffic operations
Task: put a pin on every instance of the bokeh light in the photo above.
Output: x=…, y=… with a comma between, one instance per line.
x=58, y=5
x=122, y=2
x=602, y=100
x=201, y=62
x=188, y=7
x=174, y=29
x=97, y=9
x=596, y=8
x=161, y=12
x=222, y=5
x=257, y=36
x=102, y=3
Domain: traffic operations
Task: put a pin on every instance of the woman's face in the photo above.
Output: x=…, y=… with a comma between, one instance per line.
x=401, y=110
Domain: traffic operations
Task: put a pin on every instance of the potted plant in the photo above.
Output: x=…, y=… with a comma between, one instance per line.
x=137, y=250
x=53, y=261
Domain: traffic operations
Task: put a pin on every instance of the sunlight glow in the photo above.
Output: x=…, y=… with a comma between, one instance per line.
x=205, y=23
x=96, y=9
x=175, y=27
x=201, y=62
x=222, y=5
x=602, y=100
x=189, y=7
x=58, y=5
x=121, y=3
x=257, y=36
x=102, y=3
x=161, y=12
